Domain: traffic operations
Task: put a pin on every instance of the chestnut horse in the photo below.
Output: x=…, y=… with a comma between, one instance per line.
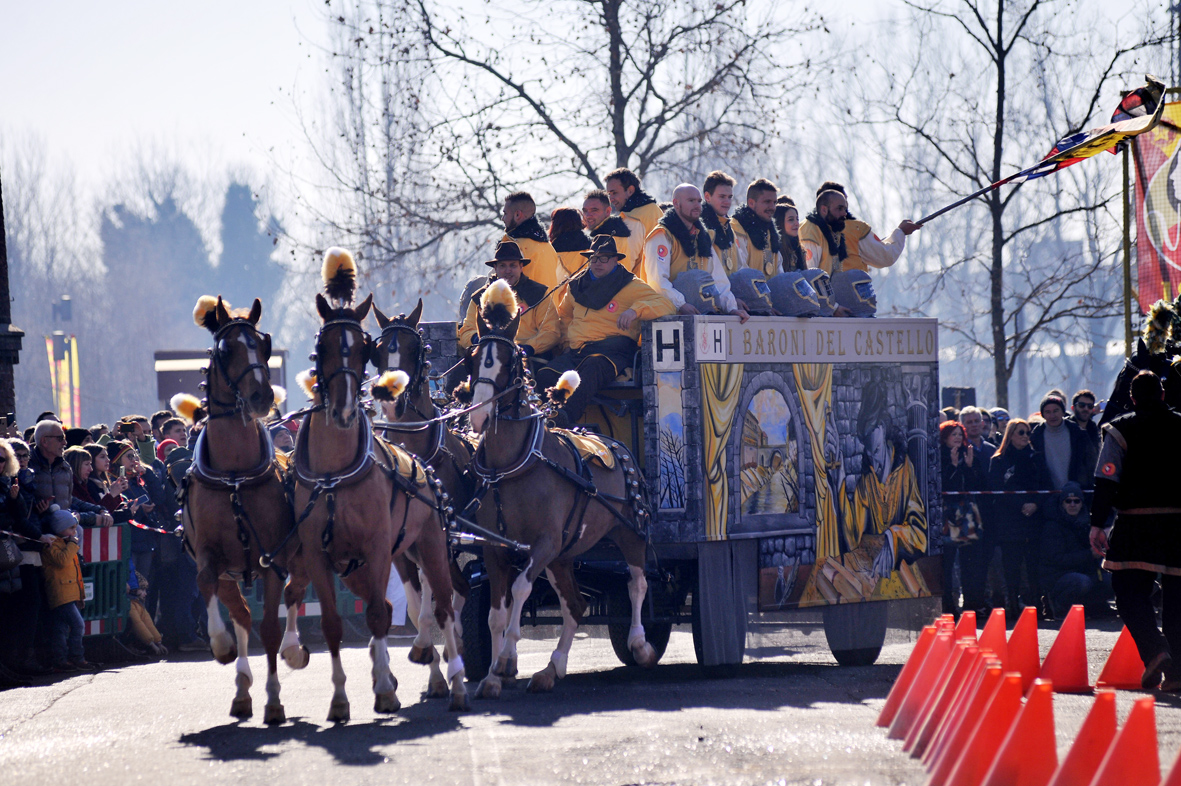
x=413, y=425
x=541, y=498
x=237, y=518
x=361, y=501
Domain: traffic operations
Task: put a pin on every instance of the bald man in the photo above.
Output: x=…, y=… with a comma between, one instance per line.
x=680, y=242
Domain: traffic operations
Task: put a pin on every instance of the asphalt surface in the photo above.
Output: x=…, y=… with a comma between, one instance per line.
x=790, y=716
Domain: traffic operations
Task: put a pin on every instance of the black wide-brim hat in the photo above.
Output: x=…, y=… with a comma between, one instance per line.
x=507, y=251
x=603, y=245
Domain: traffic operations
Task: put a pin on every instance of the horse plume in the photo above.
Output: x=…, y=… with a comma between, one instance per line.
x=205, y=312
x=307, y=381
x=567, y=384
x=498, y=305
x=340, y=276
x=390, y=385
x=187, y=405
x=280, y=394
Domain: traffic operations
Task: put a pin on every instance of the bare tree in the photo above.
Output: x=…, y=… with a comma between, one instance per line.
x=985, y=87
x=672, y=469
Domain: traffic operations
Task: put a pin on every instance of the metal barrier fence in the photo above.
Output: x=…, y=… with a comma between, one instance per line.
x=347, y=604
x=105, y=570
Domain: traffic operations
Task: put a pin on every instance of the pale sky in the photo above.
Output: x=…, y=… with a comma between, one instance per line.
x=207, y=79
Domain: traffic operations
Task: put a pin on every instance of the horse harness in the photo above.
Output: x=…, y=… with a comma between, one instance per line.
x=219, y=354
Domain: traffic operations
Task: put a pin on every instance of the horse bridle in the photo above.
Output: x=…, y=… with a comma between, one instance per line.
x=518, y=373
x=220, y=353
x=346, y=352
x=421, y=364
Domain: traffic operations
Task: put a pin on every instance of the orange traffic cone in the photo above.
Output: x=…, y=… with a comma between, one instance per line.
x=1066, y=662
x=944, y=757
x=1132, y=759
x=1029, y=755
x=923, y=685
x=906, y=676
x=977, y=755
x=993, y=635
x=966, y=627
x=1023, y=650
x=922, y=732
x=965, y=707
x=1123, y=668
x=1093, y=740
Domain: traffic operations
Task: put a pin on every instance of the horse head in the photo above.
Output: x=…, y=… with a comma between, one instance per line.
x=343, y=349
x=495, y=363
x=401, y=347
x=238, y=378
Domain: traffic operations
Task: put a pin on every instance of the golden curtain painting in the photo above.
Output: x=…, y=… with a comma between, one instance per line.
x=814, y=384
x=720, y=386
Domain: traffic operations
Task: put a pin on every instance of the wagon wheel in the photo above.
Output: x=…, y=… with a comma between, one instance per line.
x=856, y=632
x=619, y=605
x=477, y=639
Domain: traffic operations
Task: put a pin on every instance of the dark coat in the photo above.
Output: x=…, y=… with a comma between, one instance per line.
x=1066, y=540
x=1015, y=470
x=1078, y=471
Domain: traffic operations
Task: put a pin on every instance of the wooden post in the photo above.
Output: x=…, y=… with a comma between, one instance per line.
x=1127, y=254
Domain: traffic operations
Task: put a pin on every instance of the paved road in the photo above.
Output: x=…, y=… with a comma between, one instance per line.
x=791, y=716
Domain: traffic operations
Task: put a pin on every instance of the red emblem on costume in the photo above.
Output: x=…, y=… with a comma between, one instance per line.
x=662, y=251
x=1108, y=469
x=611, y=306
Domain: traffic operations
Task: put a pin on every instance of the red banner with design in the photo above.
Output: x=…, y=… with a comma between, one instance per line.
x=1157, y=157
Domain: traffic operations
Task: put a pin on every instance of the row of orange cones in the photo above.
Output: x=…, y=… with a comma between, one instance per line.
x=958, y=705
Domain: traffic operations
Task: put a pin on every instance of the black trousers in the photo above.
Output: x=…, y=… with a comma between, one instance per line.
x=1133, y=600
x=973, y=575
x=20, y=614
x=596, y=372
x=1014, y=554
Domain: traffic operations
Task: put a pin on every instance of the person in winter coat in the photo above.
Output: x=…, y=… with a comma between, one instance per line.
x=65, y=598
x=14, y=511
x=90, y=514
x=1015, y=518
x=1070, y=567
x=962, y=535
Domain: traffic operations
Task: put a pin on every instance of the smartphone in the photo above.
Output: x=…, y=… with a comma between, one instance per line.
x=122, y=472
x=142, y=500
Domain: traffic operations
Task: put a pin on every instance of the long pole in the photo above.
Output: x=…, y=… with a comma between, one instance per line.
x=1127, y=254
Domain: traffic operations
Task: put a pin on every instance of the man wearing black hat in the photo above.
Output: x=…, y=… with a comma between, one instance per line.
x=600, y=313
x=539, y=330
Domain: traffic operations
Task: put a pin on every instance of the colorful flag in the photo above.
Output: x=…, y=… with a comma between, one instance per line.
x=1158, y=209
x=1139, y=111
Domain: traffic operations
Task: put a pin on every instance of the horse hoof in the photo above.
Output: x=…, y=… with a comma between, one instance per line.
x=510, y=669
x=489, y=688
x=421, y=655
x=437, y=690
x=542, y=681
x=645, y=656
x=338, y=712
x=224, y=648
x=274, y=714
x=242, y=708
x=297, y=657
x=384, y=702
x=459, y=703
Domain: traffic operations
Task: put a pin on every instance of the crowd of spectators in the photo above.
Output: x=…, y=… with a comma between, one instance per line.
x=56, y=483
x=1029, y=545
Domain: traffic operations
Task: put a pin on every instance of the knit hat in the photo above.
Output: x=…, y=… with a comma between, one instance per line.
x=76, y=436
x=116, y=449
x=162, y=451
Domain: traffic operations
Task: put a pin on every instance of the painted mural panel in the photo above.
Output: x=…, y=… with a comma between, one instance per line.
x=770, y=475
x=672, y=440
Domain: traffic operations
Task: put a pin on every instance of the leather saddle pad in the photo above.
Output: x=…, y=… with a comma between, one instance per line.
x=402, y=461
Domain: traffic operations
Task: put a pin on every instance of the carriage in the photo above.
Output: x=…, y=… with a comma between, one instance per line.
x=791, y=464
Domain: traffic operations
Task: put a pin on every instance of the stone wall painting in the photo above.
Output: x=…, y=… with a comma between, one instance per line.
x=673, y=459
x=769, y=456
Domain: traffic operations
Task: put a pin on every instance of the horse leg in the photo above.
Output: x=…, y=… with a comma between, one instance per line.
x=370, y=583
x=460, y=589
x=573, y=607
x=330, y=624
x=634, y=551
x=437, y=683
x=435, y=570
x=522, y=589
x=231, y=598
x=490, y=686
x=271, y=637
x=220, y=640
x=294, y=653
